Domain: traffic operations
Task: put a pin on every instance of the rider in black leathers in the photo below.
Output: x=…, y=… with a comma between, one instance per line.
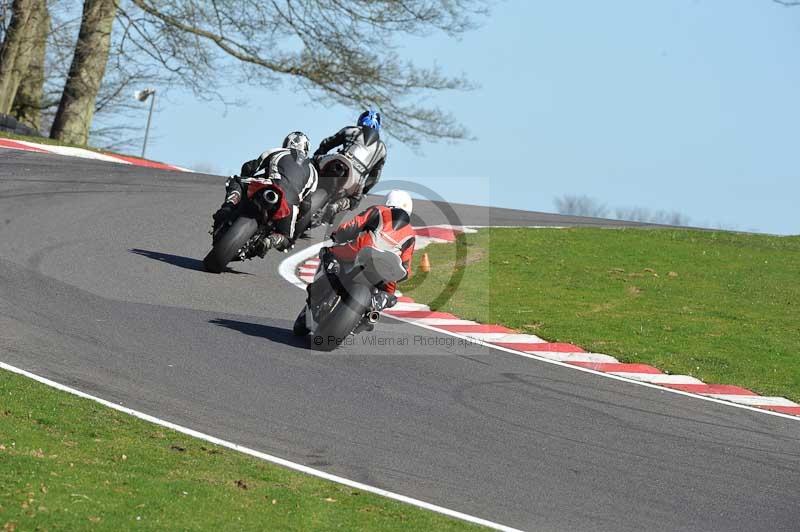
x=291, y=169
x=362, y=145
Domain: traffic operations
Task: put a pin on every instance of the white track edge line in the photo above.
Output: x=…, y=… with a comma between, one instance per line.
x=258, y=454
x=290, y=275
x=288, y=266
x=87, y=154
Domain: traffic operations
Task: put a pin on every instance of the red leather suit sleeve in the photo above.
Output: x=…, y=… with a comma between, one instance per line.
x=368, y=220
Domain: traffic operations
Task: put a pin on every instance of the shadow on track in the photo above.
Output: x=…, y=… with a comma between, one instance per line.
x=187, y=263
x=275, y=334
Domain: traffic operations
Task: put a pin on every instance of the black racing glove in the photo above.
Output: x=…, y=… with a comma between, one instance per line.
x=328, y=261
x=355, y=199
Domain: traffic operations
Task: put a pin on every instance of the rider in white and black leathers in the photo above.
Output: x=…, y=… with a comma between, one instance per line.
x=362, y=145
x=290, y=168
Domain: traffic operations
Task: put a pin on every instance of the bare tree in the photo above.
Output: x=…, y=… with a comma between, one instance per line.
x=76, y=108
x=28, y=98
x=640, y=214
x=114, y=107
x=5, y=17
x=586, y=206
x=19, y=44
x=581, y=206
x=337, y=51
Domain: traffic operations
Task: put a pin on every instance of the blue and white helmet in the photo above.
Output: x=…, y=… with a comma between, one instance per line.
x=297, y=140
x=370, y=119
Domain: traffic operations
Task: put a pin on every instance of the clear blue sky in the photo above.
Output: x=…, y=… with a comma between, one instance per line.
x=686, y=105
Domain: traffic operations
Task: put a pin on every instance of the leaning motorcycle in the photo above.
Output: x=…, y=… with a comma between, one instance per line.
x=245, y=233
x=347, y=303
x=340, y=176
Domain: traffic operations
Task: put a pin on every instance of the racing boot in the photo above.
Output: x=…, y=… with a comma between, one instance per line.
x=280, y=242
x=222, y=214
x=335, y=208
x=261, y=246
x=275, y=240
x=383, y=300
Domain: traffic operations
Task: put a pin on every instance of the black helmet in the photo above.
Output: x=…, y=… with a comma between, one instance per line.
x=297, y=140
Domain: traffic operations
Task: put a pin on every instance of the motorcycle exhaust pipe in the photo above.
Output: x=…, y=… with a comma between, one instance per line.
x=373, y=316
x=271, y=197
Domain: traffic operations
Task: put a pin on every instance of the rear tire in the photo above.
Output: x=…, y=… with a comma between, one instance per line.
x=338, y=325
x=229, y=243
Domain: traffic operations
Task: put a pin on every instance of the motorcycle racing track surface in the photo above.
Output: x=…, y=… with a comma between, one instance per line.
x=102, y=289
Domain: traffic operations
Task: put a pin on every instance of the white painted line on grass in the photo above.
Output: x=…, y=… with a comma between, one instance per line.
x=260, y=455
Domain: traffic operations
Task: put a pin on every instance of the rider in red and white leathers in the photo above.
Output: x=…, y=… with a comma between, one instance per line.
x=386, y=227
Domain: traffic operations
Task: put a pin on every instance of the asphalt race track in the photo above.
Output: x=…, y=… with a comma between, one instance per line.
x=102, y=289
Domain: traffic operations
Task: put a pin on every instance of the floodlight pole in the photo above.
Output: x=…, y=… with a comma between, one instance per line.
x=152, y=94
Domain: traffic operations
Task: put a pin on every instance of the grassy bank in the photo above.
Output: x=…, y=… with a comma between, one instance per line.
x=70, y=464
x=53, y=142
x=722, y=307
x=42, y=140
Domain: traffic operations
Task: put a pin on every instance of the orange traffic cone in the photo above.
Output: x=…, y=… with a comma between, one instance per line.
x=425, y=263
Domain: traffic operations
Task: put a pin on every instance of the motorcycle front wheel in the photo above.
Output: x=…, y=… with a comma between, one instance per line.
x=343, y=319
x=299, y=328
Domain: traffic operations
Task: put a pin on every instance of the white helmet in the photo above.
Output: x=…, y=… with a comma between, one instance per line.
x=399, y=199
x=297, y=140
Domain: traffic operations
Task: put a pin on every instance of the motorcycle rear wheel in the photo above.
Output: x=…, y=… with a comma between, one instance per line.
x=227, y=245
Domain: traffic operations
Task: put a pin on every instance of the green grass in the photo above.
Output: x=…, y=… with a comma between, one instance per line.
x=68, y=463
x=722, y=307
